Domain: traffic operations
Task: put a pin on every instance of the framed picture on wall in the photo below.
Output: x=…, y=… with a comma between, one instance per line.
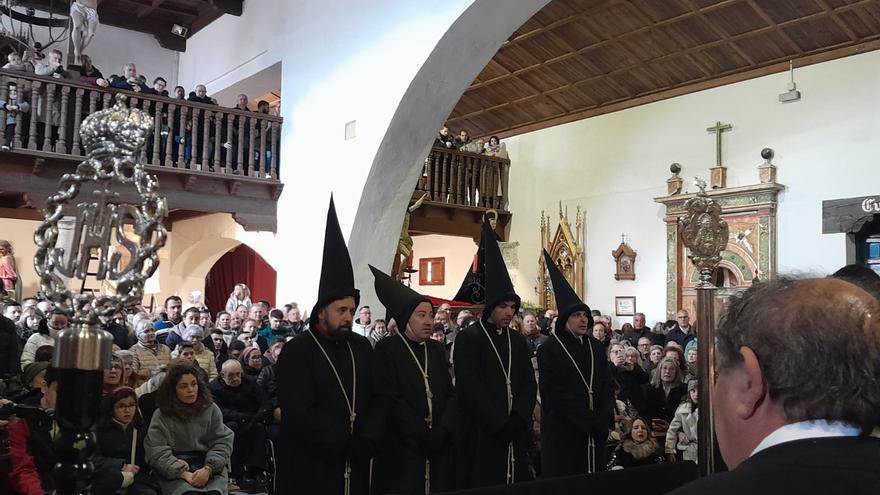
x=625, y=305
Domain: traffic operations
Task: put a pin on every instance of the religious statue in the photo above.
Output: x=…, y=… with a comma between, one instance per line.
x=84, y=16
x=403, y=257
x=8, y=272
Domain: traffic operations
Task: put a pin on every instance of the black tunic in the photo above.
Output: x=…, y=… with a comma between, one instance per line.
x=408, y=441
x=485, y=427
x=315, y=438
x=567, y=422
x=814, y=466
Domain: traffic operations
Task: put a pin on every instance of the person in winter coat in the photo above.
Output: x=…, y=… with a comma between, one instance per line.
x=150, y=356
x=120, y=464
x=45, y=335
x=187, y=443
x=682, y=433
x=31, y=444
x=245, y=409
x=194, y=335
x=639, y=448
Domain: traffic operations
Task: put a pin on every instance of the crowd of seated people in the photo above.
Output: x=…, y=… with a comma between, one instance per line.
x=190, y=400
x=181, y=365
x=129, y=79
x=177, y=384
x=463, y=142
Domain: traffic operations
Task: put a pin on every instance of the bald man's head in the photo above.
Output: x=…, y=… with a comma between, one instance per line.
x=231, y=372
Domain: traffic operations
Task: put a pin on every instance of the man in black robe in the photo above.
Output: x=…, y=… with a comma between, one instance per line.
x=495, y=384
x=577, y=402
x=796, y=399
x=331, y=425
x=413, y=382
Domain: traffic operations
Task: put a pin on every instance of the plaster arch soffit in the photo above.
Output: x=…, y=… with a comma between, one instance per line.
x=430, y=98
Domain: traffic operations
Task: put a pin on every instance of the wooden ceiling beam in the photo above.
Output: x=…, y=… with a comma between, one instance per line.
x=672, y=20
x=160, y=29
x=149, y=9
x=689, y=51
x=779, y=66
x=766, y=18
x=720, y=33
x=840, y=24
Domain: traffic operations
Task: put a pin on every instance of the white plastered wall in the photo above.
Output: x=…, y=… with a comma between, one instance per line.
x=614, y=165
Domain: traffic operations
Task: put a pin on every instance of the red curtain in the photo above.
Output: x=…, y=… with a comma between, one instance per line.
x=240, y=265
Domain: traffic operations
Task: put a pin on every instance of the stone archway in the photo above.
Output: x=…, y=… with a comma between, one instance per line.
x=460, y=55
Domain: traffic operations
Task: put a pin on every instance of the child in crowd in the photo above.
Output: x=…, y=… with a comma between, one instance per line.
x=682, y=433
x=121, y=468
x=13, y=106
x=14, y=62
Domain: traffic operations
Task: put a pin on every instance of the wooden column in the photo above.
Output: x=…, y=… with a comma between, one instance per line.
x=157, y=132
x=207, y=161
x=47, y=130
x=274, y=160
x=181, y=161
x=36, y=101
x=61, y=145
x=194, y=138
x=77, y=120
x=169, y=139
x=252, y=129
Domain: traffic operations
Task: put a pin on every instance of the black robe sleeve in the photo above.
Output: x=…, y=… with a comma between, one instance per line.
x=472, y=385
x=409, y=421
x=555, y=392
x=526, y=395
x=298, y=398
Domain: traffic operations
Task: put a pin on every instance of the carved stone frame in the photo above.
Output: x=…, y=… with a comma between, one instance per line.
x=757, y=200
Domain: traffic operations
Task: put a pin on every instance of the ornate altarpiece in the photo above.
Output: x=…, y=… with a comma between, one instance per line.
x=567, y=251
x=751, y=251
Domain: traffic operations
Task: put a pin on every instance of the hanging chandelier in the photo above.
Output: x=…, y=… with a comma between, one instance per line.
x=35, y=24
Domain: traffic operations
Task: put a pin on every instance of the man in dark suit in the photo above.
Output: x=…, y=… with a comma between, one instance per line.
x=796, y=398
x=683, y=332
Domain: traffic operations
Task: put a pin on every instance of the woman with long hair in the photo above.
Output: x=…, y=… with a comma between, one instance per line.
x=120, y=463
x=663, y=394
x=639, y=448
x=187, y=443
x=240, y=296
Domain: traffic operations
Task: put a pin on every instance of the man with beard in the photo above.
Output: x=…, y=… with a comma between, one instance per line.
x=414, y=383
x=576, y=394
x=496, y=385
x=331, y=425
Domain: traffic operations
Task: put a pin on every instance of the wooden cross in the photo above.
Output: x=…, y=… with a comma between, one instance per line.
x=717, y=129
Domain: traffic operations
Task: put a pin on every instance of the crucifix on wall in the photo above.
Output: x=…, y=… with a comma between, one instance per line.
x=718, y=173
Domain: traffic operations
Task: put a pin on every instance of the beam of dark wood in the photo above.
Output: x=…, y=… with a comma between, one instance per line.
x=627, y=68
x=160, y=29
x=231, y=7
x=840, y=24
x=149, y=9
x=20, y=214
x=689, y=88
x=766, y=18
x=665, y=22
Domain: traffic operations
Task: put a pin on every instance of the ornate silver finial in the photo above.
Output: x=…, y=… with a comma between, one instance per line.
x=119, y=240
x=704, y=233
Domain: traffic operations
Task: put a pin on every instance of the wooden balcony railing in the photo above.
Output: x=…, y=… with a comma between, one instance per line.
x=187, y=135
x=465, y=179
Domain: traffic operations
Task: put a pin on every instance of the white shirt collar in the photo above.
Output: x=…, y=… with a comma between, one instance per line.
x=807, y=429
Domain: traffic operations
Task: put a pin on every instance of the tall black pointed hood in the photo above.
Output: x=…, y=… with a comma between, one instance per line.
x=397, y=298
x=499, y=288
x=567, y=300
x=337, y=276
